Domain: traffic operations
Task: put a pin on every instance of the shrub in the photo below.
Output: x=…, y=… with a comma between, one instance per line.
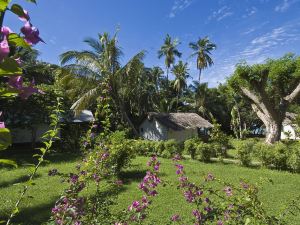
x=293, y=161
x=144, y=147
x=244, y=151
x=204, y=151
x=264, y=153
x=171, y=147
x=190, y=146
x=281, y=154
x=159, y=147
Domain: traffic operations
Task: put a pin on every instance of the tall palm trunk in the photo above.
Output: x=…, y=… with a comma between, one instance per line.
x=199, y=75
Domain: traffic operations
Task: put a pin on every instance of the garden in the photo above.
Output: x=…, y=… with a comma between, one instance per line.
x=244, y=169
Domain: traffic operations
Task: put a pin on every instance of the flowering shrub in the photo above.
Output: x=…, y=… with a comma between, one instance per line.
x=216, y=202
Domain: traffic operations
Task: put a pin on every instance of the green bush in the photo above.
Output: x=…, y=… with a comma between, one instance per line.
x=171, y=147
x=204, y=151
x=159, y=147
x=281, y=154
x=144, y=147
x=190, y=146
x=293, y=161
x=245, y=150
x=264, y=153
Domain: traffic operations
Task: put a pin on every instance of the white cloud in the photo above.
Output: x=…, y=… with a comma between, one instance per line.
x=263, y=44
x=179, y=5
x=249, y=12
x=285, y=5
x=221, y=14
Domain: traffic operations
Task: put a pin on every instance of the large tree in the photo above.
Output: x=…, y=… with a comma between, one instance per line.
x=169, y=51
x=271, y=87
x=202, y=51
x=88, y=73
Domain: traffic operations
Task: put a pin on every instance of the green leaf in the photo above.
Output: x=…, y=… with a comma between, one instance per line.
x=16, y=40
x=5, y=138
x=4, y=4
x=9, y=66
x=4, y=93
x=8, y=162
x=18, y=10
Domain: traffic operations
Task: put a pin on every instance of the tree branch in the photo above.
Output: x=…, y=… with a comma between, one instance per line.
x=259, y=103
x=259, y=113
x=289, y=98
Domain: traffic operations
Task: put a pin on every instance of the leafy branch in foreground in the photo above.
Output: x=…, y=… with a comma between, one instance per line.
x=50, y=136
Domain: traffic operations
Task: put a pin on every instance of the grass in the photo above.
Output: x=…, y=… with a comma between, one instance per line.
x=41, y=197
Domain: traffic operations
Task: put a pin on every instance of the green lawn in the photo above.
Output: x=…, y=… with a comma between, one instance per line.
x=36, y=209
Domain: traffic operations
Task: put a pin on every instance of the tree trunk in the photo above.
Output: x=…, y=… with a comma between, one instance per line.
x=199, y=76
x=273, y=131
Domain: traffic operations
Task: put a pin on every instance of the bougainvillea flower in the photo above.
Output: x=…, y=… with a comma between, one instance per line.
x=5, y=31
x=26, y=92
x=228, y=191
x=25, y=17
x=4, y=49
x=31, y=34
x=19, y=61
x=2, y=125
x=16, y=82
x=175, y=218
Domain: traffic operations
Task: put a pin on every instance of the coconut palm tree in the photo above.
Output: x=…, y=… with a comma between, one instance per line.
x=169, y=51
x=95, y=70
x=181, y=73
x=202, y=49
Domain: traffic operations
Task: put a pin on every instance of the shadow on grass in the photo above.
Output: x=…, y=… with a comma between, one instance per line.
x=20, y=179
x=27, y=158
x=33, y=215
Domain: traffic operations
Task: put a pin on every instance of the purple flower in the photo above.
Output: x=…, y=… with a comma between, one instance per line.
x=25, y=17
x=105, y=156
x=176, y=157
x=2, y=125
x=228, y=191
x=92, y=135
x=6, y=31
x=210, y=177
x=74, y=178
x=24, y=92
x=245, y=185
x=220, y=222
x=175, y=218
x=31, y=34
x=96, y=177
x=134, y=205
x=4, y=49
x=197, y=214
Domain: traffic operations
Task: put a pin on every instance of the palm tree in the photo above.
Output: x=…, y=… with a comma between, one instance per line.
x=181, y=73
x=202, y=49
x=96, y=69
x=200, y=91
x=169, y=51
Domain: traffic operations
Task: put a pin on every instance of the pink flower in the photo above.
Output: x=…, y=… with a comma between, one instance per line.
x=31, y=34
x=175, y=218
x=26, y=16
x=197, y=214
x=4, y=49
x=24, y=92
x=228, y=191
x=6, y=31
x=16, y=82
x=2, y=125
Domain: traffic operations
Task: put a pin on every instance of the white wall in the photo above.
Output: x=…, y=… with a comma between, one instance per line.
x=23, y=135
x=153, y=130
x=288, y=128
x=182, y=135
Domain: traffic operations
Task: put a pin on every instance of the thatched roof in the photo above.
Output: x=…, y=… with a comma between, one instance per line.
x=180, y=121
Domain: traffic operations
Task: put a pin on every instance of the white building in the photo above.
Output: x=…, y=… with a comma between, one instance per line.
x=35, y=132
x=289, y=127
x=178, y=126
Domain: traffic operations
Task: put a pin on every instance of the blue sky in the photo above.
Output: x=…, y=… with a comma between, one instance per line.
x=242, y=29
